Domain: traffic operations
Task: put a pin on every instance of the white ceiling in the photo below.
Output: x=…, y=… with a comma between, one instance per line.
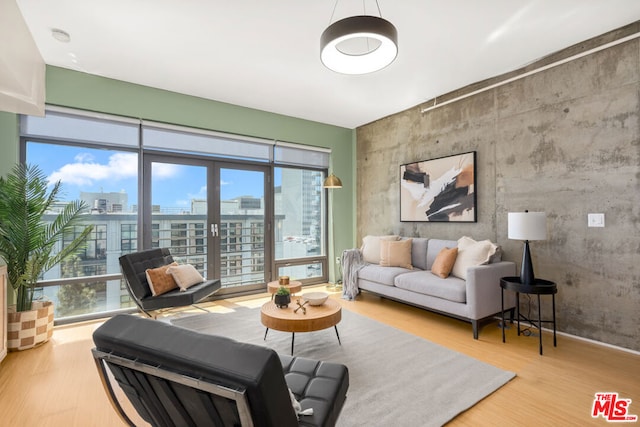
x=265, y=54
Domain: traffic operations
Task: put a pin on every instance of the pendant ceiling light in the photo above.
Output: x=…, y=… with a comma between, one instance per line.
x=359, y=44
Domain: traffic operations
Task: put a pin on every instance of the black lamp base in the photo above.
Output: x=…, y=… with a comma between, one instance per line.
x=526, y=273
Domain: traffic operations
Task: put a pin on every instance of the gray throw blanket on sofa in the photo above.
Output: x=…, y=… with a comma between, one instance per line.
x=351, y=262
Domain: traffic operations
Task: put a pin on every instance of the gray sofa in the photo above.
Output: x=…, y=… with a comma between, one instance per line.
x=472, y=300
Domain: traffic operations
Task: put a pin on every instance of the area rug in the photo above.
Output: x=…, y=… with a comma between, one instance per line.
x=395, y=378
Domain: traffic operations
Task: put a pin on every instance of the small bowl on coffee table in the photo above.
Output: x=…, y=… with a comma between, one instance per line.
x=315, y=298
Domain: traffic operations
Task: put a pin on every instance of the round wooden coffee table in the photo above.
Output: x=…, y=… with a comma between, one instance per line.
x=293, y=286
x=286, y=320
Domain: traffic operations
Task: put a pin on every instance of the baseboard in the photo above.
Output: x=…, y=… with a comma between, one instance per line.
x=579, y=338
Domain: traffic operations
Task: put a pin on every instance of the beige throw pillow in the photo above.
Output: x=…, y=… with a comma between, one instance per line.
x=160, y=282
x=472, y=253
x=443, y=264
x=371, y=247
x=396, y=253
x=185, y=276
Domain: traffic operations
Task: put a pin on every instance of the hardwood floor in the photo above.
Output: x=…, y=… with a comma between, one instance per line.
x=56, y=384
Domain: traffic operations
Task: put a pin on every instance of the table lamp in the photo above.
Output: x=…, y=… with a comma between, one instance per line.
x=527, y=226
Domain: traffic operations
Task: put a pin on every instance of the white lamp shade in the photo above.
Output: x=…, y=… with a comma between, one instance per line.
x=527, y=225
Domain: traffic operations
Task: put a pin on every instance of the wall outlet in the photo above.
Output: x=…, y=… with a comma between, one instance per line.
x=337, y=260
x=595, y=220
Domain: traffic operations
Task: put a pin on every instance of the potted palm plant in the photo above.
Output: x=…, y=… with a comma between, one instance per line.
x=28, y=246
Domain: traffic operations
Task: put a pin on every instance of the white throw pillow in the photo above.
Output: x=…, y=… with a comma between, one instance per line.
x=185, y=276
x=371, y=247
x=472, y=253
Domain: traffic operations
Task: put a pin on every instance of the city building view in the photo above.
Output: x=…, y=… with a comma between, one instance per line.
x=297, y=234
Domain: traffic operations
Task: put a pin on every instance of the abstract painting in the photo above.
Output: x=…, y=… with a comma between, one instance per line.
x=439, y=190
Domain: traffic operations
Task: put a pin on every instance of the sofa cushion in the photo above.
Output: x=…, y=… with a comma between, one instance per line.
x=444, y=262
x=382, y=275
x=472, y=253
x=419, y=252
x=434, y=247
x=396, y=254
x=371, y=247
x=424, y=282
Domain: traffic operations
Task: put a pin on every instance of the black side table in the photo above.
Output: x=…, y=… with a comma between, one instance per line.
x=539, y=287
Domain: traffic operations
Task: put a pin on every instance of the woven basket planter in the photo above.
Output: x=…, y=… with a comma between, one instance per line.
x=27, y=329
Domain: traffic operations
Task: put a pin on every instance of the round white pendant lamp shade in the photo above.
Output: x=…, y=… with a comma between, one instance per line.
x=359, y=45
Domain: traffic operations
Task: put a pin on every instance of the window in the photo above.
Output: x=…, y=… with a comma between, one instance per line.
x=178, y=239
x=155, y=235
x=299, y=212
x=299, y=222
x=97, y=158
x=129, y=238
x=106, y=179
x=198, y=238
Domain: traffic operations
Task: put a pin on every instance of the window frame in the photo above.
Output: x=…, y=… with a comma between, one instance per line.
x=148, y=234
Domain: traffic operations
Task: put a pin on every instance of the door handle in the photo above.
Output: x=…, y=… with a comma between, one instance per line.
x=214, y=230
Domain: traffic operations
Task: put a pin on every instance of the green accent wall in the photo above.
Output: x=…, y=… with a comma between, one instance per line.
x=74, y=89
x=8, y=141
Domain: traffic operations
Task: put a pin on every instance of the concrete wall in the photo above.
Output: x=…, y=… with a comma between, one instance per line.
x=565, y=141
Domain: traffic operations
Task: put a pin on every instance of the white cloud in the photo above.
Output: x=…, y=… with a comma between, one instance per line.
x=164, y=170
x=84, y=171
x=201, y=194
x=84, y=158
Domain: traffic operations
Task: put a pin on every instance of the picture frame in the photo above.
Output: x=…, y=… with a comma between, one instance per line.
x=439, y=190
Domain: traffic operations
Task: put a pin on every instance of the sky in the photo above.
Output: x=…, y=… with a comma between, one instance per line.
x=97, y=170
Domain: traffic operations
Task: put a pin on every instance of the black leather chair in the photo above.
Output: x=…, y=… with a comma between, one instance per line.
x=133, y=268
x=178, y=377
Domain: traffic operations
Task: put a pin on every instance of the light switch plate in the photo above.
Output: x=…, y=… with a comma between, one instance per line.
x=595, y=220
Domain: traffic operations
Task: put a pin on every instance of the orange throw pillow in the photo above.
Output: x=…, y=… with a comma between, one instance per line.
x=160, y=282
x=444, y=262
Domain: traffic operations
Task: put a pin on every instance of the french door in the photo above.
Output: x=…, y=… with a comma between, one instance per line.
x=210, y=214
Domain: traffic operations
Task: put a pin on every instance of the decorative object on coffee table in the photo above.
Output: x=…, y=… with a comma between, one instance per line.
x=315, y=298
x=294, y=287
x=282, y=297
x=301, y=306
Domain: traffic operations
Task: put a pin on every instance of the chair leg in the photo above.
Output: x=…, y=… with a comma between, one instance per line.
x=149, y=314
x=113, y=398
x=200, y=308
x=474, y=324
